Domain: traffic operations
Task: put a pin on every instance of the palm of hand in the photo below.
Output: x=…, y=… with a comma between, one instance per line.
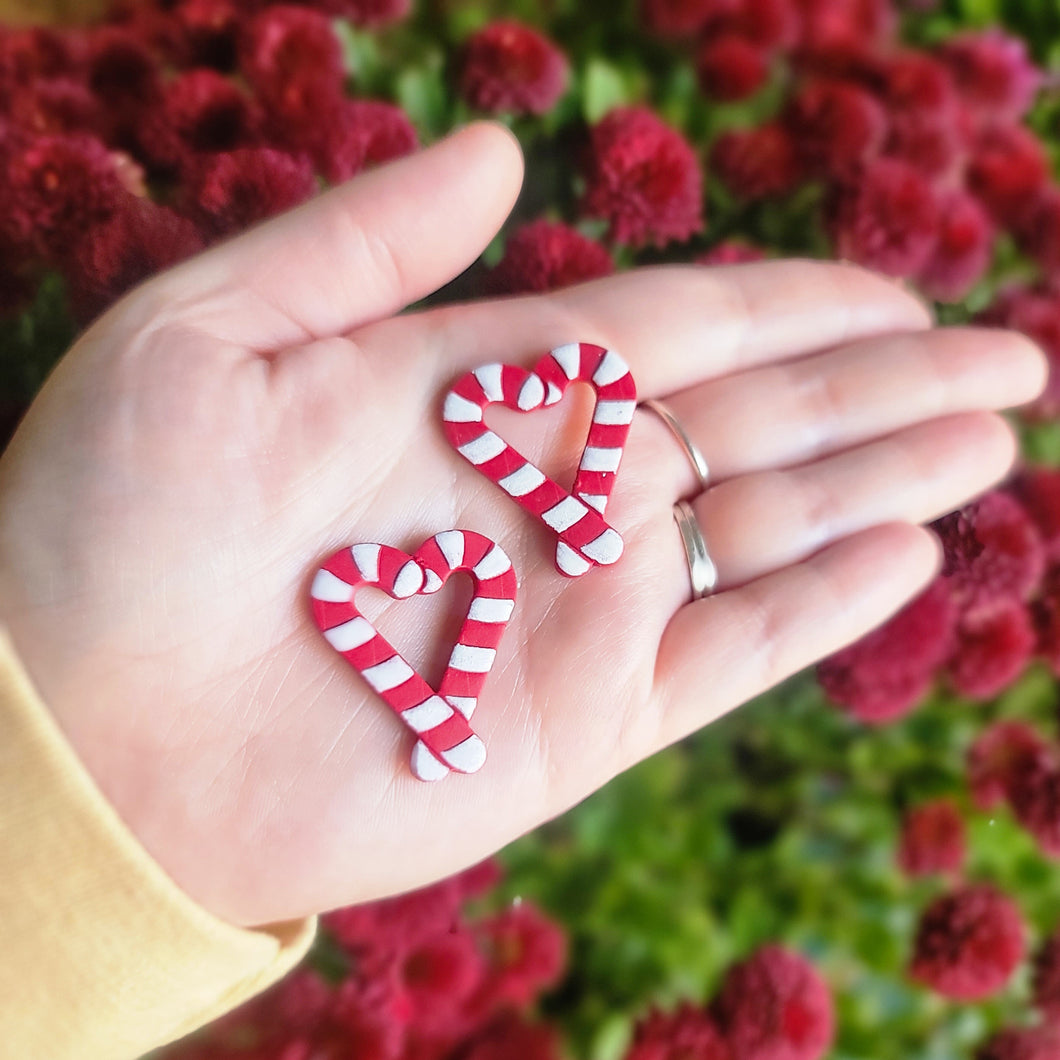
x=156, y=586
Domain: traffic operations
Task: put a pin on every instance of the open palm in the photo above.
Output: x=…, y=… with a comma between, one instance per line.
x=224, y=429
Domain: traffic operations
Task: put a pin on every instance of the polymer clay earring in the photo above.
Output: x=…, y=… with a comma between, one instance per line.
x=577, y=516
x=441, y=719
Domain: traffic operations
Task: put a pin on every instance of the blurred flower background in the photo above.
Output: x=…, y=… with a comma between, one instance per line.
x=863, y=862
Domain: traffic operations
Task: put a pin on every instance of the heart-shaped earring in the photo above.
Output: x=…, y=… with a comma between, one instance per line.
x=577, y=517
x=440, y=719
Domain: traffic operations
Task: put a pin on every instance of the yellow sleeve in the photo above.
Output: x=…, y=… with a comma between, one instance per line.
x=104, y=957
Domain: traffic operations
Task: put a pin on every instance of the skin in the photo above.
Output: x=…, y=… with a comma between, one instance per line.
x=228, y=425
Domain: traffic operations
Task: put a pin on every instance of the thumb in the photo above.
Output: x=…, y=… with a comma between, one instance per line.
x=363, y=250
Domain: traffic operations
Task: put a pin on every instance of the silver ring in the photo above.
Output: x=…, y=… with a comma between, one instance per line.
x=701, y=570
x=692, y=451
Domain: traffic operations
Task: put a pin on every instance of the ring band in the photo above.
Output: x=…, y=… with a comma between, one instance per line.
x=695, y=457
x=701, y=570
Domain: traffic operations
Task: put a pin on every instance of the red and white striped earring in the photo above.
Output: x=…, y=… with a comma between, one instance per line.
x=440, y=719
x=577, y=517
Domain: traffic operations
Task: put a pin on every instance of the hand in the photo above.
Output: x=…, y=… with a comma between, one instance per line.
x=210, y=440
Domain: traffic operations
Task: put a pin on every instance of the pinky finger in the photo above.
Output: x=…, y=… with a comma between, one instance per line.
x=720, y=652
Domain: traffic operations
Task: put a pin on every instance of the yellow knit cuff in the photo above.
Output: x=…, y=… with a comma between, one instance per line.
x=105, y=957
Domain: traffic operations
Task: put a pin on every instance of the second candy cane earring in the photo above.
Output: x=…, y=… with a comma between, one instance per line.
x=586, y=539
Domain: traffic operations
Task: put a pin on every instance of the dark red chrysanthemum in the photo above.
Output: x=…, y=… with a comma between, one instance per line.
x=963, y=251
x=883, y=676
x=232, y=190
x=208, y=33
x=771, y=24
x=687, y=1033
x=32, y=55
x=1034, y=794
x=911, y=80
x=1038, y=230
x=848, y=28
x=886, y=219
x=933, y=839
x=292, y=58
x=836, y=126
x=546, y=255
x=138, y=240
x=478, y=880
x=775, y=1006
x=372, y=13
x=1022, y=1043
x=1037, y=488
x=510, y=1037
x=507, y=66
x=932, y=142
x=993, y=73
x=683, y=18
x=359, y=133
x=526, y=952
x=1045, y=980
x=62, y=106
x=1000, y=754
x=438, y=975
x=730, y=67
x=757, y=163
x=1045, y=613
x=643, y=178
x=731, y=252
x=1007, y=169
x=201, y=111
x=122, y=70
x=968, y=943
x=57, y=188
x=994, y=553
x=993, y=647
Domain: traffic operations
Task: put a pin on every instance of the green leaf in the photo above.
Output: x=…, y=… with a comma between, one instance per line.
x=603, y=89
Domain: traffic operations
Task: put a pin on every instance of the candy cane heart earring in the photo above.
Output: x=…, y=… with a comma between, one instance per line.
x=441, y=720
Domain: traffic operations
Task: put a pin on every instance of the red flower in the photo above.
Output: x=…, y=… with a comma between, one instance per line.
x=886, y=674
x=232, y=190
x=837, y=126
x=1045, y=612
x=993, y=552
x=546, y=255
x=886, y=219
x=1007, y=169
x=993, y=73
x=933, y=839
x=682, y=18
x=359, y=133
x=208, y=33
x=58, y=187
x=61, y=106
x=771, y=24
x=1045, y=983
x=1037, y=488
x=775, y=1006
x=527, y=953
x=122, y=70
x=1022, y=1043
x=366, y=12
x=730, y=67
x=507, y=66
x=292, y=58
x=933, y=142
x=915, y=81
x=200, y=112
x=731, y=252
x=509, y=1037
x=757, y=163
x=687, y=1033
x=438, y=976
x=137, y=241
x=643, y=178
x=968, y=943
x=993, y=648
x=963, y=251
x=845, y=27
x=1000, y=754
x=1034, y=794
x=1038, y=230
x=29, y=56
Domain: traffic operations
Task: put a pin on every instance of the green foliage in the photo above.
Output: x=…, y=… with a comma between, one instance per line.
x=779, y=823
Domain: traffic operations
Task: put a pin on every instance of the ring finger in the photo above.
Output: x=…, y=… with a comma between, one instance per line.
x=757, y=523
